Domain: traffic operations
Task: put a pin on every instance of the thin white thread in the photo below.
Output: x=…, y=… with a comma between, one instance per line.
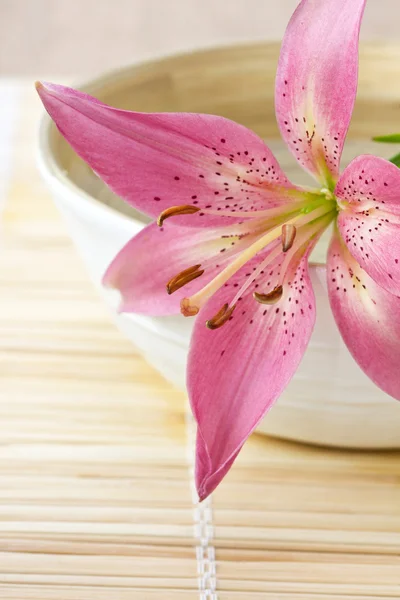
x=203, y=529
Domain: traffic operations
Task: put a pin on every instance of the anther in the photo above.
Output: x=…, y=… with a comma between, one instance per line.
x=271, y=297
x=222, y=316
x=183, y=278
x=173, y=211
x=288, y=236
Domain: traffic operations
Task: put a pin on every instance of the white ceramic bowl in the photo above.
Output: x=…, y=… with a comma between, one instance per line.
x=329, y=401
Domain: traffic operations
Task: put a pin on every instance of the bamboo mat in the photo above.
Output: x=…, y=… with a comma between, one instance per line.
x=96, y=451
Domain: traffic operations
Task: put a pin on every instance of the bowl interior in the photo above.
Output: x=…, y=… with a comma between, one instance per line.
x=236, y=82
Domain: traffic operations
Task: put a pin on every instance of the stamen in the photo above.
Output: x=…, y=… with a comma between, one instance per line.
x=305, y=235
x=270, y=298
x=222, y=316
x=288, y=235
x=261, y=267
x=173, y=211
x=312, y=220
x=183, y=278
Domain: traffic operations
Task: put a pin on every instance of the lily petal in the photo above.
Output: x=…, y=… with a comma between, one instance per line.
x=155, y=161
x=204, y=465
x=317, y=82
x=370, y=182
x=369, y=191
x=367, y=316
x=142, y=269
x=237, y=371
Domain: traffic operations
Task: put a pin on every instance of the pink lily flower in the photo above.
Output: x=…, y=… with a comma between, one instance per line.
x=234, y=234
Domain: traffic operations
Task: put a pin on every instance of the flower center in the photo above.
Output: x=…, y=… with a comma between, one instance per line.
x=329, y=195
x=289, y=238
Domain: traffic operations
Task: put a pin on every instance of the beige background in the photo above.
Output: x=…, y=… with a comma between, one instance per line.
x=79, y=37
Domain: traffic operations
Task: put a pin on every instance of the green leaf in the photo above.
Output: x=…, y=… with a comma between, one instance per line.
x=396, y=160
x=393, y=138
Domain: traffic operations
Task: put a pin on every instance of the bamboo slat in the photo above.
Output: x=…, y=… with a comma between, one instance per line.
x=95, y=491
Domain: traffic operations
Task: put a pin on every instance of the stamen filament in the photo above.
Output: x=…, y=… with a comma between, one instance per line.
x=305, y=236
x=249, y=280
x=199, y=299
x=268, y=260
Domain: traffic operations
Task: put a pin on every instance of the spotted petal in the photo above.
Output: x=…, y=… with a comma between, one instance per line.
x=155, y=161
x=368, y=318
x=245, y=365
x=151, y=259
x=317, y=81
x=370, y=220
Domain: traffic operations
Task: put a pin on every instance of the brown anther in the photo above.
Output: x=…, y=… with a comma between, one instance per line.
x=183, y=278
x=288, y=236
x=174, y=211
x=271, y=297
x=187, y=309
x=222, y=316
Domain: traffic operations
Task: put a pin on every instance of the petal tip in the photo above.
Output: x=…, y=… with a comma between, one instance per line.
x=202, y=491
x=46, y=89
x=42, y=86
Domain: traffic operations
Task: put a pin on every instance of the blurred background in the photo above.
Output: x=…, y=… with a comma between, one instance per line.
x=85, y=37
